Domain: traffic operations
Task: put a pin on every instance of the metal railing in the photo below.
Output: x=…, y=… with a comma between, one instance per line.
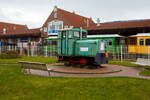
x=47, y=51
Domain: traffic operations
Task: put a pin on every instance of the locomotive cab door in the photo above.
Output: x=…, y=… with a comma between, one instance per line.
x=63, y=42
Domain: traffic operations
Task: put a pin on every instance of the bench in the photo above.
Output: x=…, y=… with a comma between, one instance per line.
x=34, y=65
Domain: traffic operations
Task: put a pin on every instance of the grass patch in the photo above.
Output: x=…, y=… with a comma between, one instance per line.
x=16, y=86
x=31, y=59
x=127, y=63
x=145, y=72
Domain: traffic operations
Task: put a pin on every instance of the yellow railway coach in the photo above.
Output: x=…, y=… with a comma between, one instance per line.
x=139, y=44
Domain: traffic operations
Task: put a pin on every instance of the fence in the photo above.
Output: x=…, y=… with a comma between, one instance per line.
x=47, y=51
x=120, y=53
x=130, y=52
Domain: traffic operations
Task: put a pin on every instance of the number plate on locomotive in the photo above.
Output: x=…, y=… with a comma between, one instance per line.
x=84, y=49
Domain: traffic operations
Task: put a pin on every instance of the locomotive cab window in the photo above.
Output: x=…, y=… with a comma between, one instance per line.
x=63, y=34
x=141, y=42
x=76, y=34
x=70, y=34
x=147, y=43
x=84, y=35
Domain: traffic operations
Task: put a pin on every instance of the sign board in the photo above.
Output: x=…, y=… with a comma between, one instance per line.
x=53, y=32
x=24, y=40
x=84, y=49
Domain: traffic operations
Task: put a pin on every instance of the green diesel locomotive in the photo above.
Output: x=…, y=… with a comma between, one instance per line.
x=74, y=47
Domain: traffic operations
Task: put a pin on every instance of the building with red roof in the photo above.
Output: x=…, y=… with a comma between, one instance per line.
x=125, y=28
x=60, y=19
x=12, y=34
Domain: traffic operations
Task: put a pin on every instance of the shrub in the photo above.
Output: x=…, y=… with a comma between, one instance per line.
x=9, y=55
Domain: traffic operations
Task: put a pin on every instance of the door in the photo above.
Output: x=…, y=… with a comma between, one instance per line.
x=63, y=43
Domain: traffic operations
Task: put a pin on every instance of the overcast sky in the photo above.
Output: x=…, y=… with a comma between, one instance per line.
x=34, y=12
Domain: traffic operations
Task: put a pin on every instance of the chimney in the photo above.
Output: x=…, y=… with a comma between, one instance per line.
x=55, y=8
x=55, y=12
x=98, y=22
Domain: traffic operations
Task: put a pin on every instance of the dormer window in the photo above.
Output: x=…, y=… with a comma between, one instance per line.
x=4, y=30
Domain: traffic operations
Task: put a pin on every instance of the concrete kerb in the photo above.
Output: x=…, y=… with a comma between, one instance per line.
x=86, y=72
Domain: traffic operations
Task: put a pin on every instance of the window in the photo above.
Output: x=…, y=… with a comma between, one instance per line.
x=14, y=28
x=55, y=15
x=55, y=25
x=84, y=35
x=132, y=41
x=147, y=42
x=70, y=36
x=45, y=29
x=141, y=42
x=76, y=34
x=63, y=34
x=54, y=42
x=4, y=30
x=102, y=46
x=110, y=42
